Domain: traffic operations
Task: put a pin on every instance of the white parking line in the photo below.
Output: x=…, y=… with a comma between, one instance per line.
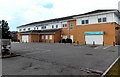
x=107, y=47
x=96, y=47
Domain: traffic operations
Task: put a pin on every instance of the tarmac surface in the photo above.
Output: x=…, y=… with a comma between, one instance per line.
x=59, y=59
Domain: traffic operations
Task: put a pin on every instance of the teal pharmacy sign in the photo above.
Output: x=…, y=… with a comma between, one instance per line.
x=94, y=33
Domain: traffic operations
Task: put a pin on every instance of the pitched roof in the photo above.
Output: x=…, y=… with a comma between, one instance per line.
x=68, y=17
x=49, y=31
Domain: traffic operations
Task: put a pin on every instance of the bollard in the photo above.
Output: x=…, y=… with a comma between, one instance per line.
x=77, y=42
x=113, y=43
x=85, y=42
x=103, y=43
x=93, y=42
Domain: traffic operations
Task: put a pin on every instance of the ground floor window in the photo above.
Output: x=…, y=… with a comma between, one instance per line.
x=46, y=37
x=42, y=36
x=50, y=36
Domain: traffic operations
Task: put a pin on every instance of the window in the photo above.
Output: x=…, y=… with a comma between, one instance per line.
x=37, y=28
x=102, y=19
x=85, y=21
x=64, y=25
x=24, y=29
x=71, y=26
x=46, y=37
x=42, y=36
x=52, y=26
x=99, y=19
x=56, y=26
x=28, y=28
x=50, y=36
x=20, y=29
x=43, y=27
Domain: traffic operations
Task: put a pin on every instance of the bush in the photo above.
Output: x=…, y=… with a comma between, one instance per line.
x=68, y=40
x=63, y=41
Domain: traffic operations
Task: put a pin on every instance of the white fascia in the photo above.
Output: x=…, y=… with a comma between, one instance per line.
x=94, y=14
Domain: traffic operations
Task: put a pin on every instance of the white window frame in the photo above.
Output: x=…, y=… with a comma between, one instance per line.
x=50, y=37
x=46, y=36
x=43, y=36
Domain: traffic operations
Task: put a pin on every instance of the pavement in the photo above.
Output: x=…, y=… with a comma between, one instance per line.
x=59, y=59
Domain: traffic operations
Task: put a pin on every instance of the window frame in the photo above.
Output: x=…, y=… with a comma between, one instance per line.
x=46, y=37
x=71, y=26
x=50, y=37
x=43, y=37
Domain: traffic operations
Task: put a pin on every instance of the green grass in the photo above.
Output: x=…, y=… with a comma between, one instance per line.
x=115, y=70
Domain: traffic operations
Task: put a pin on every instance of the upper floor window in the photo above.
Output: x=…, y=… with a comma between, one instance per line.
x=102, y=19
x=64, y=25
x=85, y=21
x=71, y=26
x=28, y=28
x=24, y=29
x=20, y=29
x=56, y=26
x=43, y=27
x=37, y=28
x=52, y=26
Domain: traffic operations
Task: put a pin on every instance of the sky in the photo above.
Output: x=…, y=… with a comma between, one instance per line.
x=20, y=12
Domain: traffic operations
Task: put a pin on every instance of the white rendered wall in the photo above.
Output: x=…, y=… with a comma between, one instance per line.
x=94, y=19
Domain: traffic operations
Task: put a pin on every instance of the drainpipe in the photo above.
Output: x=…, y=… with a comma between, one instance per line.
x=68, y=30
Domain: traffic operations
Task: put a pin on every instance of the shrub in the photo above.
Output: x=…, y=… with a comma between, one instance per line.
x=63, y=41
x=68, y=40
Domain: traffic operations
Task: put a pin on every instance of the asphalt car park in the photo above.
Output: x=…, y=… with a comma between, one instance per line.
x=59, y=59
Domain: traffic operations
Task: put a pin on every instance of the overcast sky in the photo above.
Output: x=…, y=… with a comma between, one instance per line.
x=19, y=12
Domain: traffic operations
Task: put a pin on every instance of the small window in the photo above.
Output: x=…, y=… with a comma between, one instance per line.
x=104, y=19
x=20, y=29
x=87, y=21
x=43, y=27
x=83, y=22
x=28, y=28
x=24, y=29
x=52, y=26
x=56, y=26
x=71, y=26
x=50, y=36
x=99, y=19
x=42, y=36
x=37, y=28
x=46, y=37
x=65, y=25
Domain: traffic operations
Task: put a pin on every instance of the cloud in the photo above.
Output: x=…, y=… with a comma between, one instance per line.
x=18, y=12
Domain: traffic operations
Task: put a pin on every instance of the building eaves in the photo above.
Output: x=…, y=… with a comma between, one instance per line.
x=68, y=17
x=50, y=31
